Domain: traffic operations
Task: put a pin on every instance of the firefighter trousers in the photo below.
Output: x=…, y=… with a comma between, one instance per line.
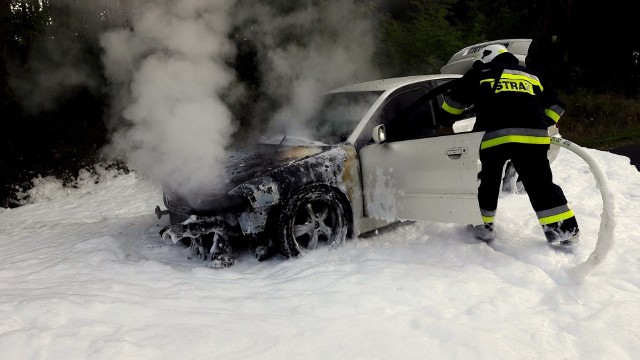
x=532, y=165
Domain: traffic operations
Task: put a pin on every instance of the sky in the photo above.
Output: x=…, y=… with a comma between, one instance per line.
x=85, y=275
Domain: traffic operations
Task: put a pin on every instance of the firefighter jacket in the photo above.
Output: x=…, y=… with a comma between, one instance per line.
x=518, y=107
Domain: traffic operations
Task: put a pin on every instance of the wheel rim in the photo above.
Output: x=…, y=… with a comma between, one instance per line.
x=315, y=222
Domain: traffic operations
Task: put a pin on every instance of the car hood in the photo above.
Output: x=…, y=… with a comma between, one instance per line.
x=258, y=160
x=243, y=166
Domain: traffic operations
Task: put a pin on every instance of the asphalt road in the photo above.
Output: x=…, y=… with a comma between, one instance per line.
x=632, y=151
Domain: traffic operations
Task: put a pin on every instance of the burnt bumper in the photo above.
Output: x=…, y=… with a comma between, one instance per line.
x=195, y=227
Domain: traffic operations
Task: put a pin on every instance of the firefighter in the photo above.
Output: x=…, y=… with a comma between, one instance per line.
x=514, y=107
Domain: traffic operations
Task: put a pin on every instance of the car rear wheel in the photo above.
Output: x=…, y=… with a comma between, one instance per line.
x=314, y=217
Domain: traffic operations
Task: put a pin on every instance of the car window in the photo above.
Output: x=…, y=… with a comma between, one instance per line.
x=340, y=114
x=407, y=116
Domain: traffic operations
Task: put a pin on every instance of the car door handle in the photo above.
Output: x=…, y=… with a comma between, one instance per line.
x=456, y=153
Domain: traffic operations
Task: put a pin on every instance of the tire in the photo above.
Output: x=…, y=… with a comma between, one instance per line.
x=313, y=217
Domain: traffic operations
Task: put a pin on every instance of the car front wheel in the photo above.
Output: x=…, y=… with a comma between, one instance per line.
x=312, y=218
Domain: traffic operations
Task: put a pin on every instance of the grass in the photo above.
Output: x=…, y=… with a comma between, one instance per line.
x=600, y=121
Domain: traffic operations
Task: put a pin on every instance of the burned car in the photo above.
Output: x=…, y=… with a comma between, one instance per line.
x=375, y=159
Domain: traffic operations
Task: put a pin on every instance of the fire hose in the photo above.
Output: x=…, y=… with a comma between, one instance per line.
x=605, y=239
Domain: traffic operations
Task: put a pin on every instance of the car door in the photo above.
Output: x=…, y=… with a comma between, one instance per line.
x=422, y=178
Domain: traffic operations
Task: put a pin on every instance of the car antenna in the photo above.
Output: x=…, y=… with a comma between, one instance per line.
x=283, y=139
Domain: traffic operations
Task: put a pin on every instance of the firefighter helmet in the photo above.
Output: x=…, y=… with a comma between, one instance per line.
x=490, y=52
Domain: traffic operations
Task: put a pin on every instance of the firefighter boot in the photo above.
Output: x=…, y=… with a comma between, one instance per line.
x=562, y=234
x=484, y=232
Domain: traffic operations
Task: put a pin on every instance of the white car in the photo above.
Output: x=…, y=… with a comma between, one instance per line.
x=373, y=159
x=462, y=60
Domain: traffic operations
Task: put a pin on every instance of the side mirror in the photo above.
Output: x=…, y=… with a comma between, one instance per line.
x=379, y=134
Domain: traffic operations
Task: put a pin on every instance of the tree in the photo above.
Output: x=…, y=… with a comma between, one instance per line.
x=422, y=38
x=423, y=42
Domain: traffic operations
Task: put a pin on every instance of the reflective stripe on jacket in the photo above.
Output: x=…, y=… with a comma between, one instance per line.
x=517, y=135
x=517, y=107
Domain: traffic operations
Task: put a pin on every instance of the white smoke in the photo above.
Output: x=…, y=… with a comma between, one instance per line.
x=170, y=72
x=307, y=52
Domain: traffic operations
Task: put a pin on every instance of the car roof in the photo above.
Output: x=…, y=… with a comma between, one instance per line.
x=391, y=83
x=462, y=60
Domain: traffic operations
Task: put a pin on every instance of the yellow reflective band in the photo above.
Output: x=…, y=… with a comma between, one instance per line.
x=521, y=86
x=515, y=83
x=523, y=139
x=488, y=219
x=552, y=114
x=555, y=218
x=519, y=77
x=450, y=109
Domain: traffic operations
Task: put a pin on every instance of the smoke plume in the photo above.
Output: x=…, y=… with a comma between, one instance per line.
x=172, y=68
x=170, y=72
x=308, y=51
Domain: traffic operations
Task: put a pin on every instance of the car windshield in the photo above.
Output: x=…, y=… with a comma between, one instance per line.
x=332, y=124
x=340, y=114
